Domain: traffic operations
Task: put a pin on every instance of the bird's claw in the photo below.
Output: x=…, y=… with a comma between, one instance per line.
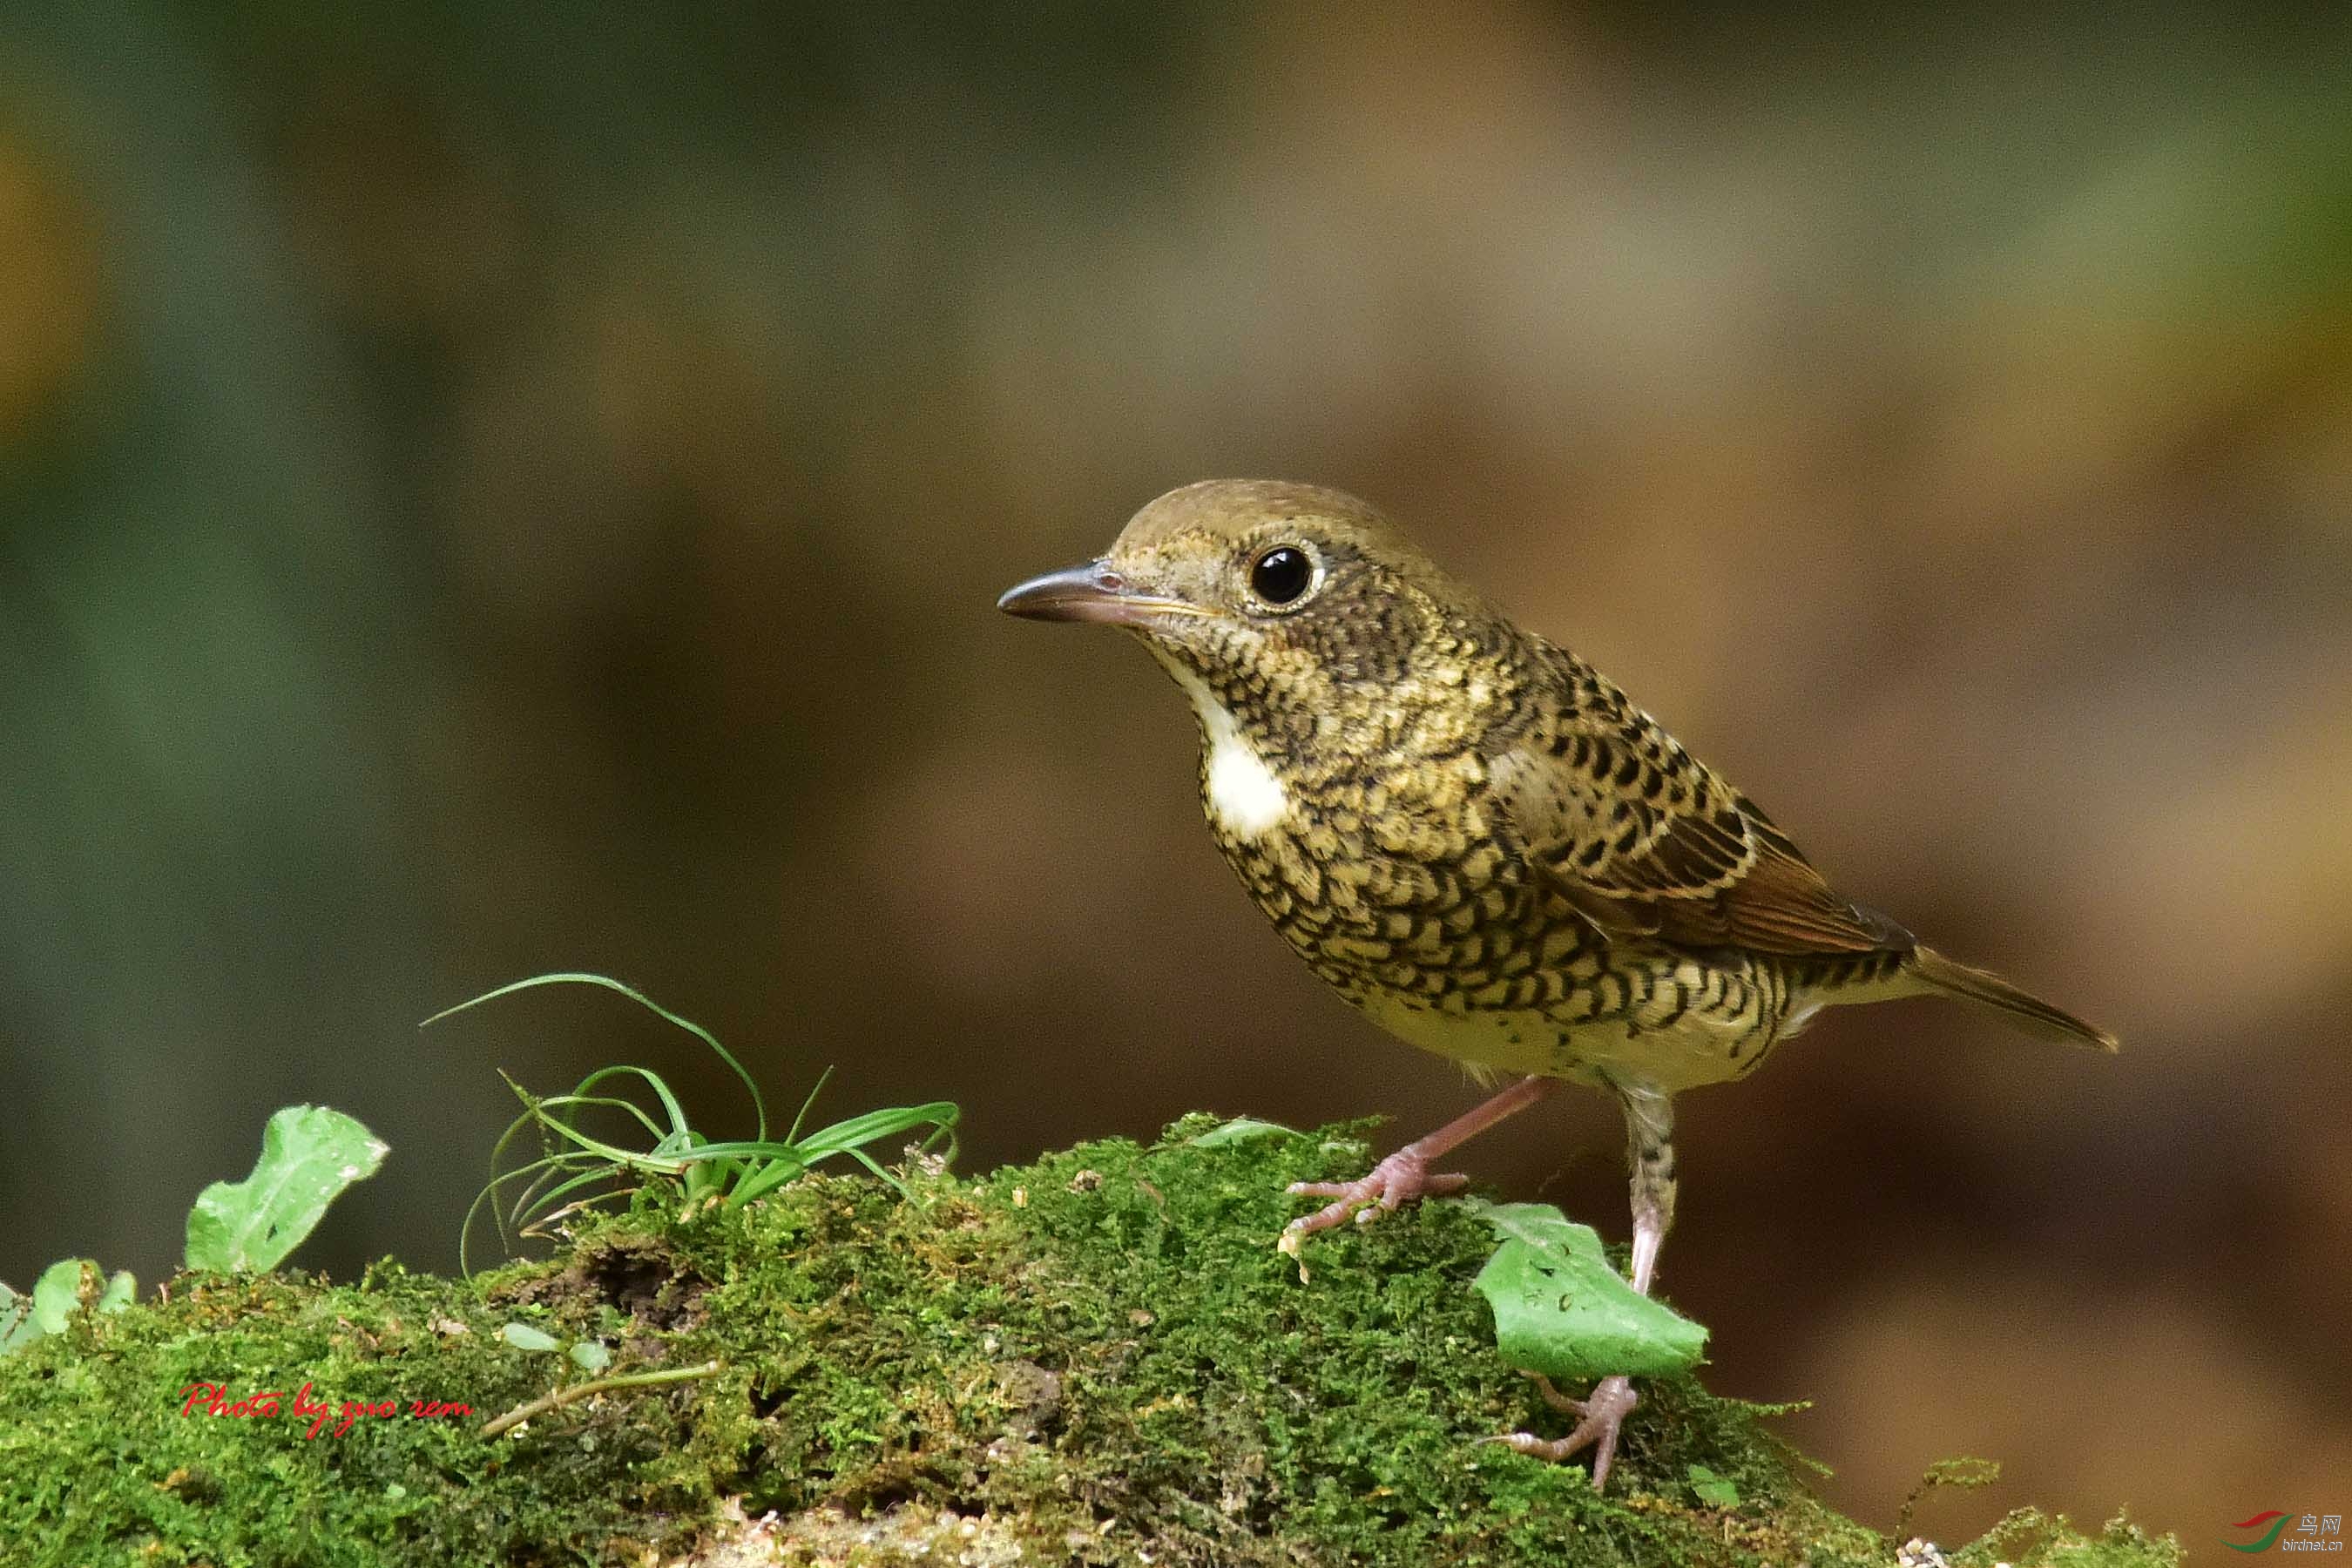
x=1598, y=1417
x=1403, y=1178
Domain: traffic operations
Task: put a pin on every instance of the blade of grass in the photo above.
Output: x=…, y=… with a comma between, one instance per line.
x=577, y=977
x=573, y=1159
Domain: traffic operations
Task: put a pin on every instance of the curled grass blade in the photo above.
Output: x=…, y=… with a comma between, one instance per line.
x=575, y=1161
x=581, y=977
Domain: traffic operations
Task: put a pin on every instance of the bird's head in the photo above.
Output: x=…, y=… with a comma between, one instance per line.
x=1291, y=604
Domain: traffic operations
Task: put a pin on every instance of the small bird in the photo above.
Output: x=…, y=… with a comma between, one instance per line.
x=1474, y=836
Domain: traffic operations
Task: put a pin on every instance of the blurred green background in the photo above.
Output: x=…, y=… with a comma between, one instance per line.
x=492, y=490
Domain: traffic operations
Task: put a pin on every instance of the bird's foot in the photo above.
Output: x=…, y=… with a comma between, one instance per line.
x=1599, y=1416
x=1403, y=1178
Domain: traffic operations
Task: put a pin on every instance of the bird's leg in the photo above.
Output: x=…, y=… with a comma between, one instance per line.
x=1650, y=1148
x=1404, y=1175
x=1650, y=1145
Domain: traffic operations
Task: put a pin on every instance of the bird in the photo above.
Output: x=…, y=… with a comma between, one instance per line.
x=1479, y=841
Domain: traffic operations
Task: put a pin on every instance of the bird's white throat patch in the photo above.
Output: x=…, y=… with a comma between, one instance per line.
x=1242, y=794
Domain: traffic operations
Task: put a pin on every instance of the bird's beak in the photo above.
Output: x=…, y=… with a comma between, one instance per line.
x=1089, y=593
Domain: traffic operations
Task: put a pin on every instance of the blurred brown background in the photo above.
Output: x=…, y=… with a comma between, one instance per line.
x=484, y=493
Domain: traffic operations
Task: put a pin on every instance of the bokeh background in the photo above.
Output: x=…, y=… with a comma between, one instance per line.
x=492, y=490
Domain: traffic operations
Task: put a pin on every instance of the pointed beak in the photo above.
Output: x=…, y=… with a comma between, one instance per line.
x=1089, y=593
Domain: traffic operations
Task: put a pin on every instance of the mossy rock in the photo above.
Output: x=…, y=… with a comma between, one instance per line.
x=1099, y=1358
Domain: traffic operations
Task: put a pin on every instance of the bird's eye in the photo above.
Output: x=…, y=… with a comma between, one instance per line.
x=1281, y=574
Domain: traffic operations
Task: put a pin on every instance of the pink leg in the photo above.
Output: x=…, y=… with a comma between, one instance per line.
x=1404, y=1175
x=1599, y=1419
x=1650, y=1143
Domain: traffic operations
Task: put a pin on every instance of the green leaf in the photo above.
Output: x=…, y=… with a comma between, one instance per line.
x=590, y=1355
x=309, y=1155
x=118, y=1293
x=1711, y=1489
x=523, y=1337
x=1240, y=1129
x=56, y=1296
x=1561, y=1310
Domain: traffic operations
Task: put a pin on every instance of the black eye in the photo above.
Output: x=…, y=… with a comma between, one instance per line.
x=1281, y=574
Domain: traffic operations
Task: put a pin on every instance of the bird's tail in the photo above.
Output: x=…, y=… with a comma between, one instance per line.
x=2028, y=1012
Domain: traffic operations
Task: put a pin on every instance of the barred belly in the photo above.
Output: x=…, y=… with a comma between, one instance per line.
x=1456, y=950
x=1670, y=1022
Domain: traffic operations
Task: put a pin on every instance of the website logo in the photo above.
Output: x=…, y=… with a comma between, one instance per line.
x=2303, y=1532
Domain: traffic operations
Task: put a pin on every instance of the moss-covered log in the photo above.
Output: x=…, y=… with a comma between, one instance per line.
x=1097, y=1358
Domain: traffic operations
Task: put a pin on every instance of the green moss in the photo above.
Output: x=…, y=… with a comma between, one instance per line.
x=1096, y=1357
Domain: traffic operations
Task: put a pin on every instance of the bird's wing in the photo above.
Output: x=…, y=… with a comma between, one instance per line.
x=1643, y=840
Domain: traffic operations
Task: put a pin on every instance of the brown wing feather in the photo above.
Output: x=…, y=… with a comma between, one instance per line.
x=1643, y=840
